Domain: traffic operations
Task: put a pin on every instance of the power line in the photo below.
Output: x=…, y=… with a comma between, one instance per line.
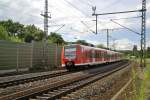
x=121, y=12
x=87, y=3
x=107, y=31
x=127, y=18
x=60, y=28
x=87, y=27
x=56, y=25
x=61, y=9
x=78, y=30
x=75, y=7
x=81, y=32
x=143, y=27
x=126, y=27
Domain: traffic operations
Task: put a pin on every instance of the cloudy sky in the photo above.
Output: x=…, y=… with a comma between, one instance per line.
x=78, y=23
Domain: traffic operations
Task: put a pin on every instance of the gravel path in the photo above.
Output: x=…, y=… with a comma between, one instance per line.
x=103, y=89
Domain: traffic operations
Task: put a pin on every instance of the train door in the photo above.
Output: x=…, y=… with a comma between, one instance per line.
x=82, y=55
x=93, y=56
x=102, y=56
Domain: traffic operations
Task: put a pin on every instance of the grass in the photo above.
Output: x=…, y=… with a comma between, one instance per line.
x=141, y=86
x=146, y=80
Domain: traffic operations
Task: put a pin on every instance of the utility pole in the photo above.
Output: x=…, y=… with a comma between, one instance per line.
x=94, y=13
x=46, y=16
x=108, y=36
x=96, y=24
x=143, y=34
x=107, y=31
x=107, y=39
x=122, y=12
x=143, y=28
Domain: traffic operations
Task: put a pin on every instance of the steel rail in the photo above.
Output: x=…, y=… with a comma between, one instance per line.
x=62, y=91
x=31, y=79
x=26, y=94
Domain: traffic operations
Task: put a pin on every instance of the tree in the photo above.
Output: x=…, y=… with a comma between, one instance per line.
x=148, y=52
x=148, y=49
x=83, y=42
x=135, y=52
x=19, y=32
x=100, y=46
x=13, y=28
x=55, y=38
x=3, y=33
x=32, y=33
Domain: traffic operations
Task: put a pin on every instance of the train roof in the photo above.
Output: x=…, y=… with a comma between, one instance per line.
x=109, y=51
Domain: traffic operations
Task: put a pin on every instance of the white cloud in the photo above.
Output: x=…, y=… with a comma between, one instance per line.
x=148, y=44
x=148, y=23
x=124, y=44
x=71, y=14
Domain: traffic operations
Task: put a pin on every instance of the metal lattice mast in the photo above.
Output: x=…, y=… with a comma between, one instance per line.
x=143, y=34
x=45, y=15
x=143, y=28
x=46, y=18
x=107, y=39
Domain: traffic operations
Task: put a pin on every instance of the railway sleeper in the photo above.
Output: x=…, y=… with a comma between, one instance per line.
x=32, y=99
x=42, y=97
x=69, y=88
x=56, y=93
x=65, y=98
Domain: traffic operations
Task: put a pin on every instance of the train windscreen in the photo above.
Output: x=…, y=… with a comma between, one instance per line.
x=70, y=52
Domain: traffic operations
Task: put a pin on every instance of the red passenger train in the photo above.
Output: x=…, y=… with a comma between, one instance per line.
x=76, y=55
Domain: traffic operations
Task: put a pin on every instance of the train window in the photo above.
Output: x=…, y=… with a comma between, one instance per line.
x=70, y=51
x=96, y=54
x=100, y=54
x=90, y=54
x=93, y=54
x=105, y=55
x=86, y=54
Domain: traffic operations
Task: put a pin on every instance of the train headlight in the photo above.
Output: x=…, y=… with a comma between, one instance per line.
x=69, y=63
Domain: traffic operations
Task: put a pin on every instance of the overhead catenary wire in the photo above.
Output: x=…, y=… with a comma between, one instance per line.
x=91, y=37
x=87, y=27
x=120, y=12
x=87, y=2
x=61, y=10
x=125, y=27
x=127, y=18
x=59, y=28
x=75, y=7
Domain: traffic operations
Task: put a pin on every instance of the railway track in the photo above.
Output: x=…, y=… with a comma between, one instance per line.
x=60, y=88
x=68, y=88
x=8, y=82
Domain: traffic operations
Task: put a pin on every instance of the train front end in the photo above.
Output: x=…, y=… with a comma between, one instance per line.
x=69, y=55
